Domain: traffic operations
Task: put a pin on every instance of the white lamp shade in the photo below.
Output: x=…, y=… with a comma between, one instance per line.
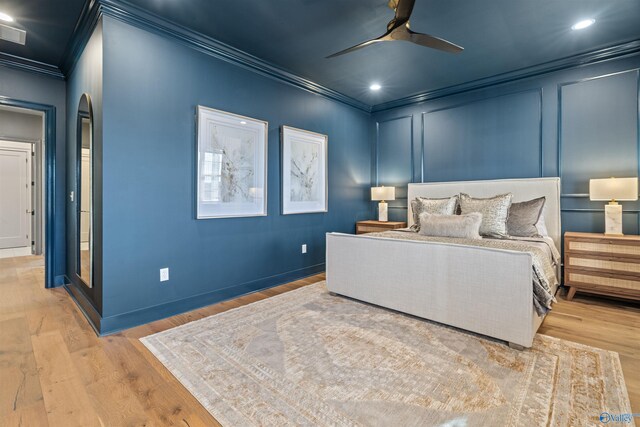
x=620, y=189
x=383, y=193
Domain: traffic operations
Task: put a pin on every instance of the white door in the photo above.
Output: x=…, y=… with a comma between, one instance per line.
x=15, y=195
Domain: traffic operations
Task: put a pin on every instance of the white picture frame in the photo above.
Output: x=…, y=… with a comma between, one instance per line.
x=231, y=158
x=304, y=168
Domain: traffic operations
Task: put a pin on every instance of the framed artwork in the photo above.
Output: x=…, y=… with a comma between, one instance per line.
x=304, y=171
x=232, y=165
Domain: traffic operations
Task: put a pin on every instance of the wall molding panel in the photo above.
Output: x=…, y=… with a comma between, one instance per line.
x=377, y=149
x=504, y=119
x=610, y=129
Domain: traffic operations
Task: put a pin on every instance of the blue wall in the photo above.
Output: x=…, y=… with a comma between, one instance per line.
x=85, y=77
x=152, y=86
x=578, y=124
x=33, y=88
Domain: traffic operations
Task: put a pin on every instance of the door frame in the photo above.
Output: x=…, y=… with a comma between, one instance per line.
x=49, y=181
x=28, y=149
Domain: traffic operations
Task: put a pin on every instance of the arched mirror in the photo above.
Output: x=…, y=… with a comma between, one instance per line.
x=84, y=191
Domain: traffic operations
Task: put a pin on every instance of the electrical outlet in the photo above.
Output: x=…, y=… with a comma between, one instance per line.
x=304, y=248
x=164, y=274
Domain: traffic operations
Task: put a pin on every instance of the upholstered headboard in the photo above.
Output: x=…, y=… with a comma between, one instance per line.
x=522, y=189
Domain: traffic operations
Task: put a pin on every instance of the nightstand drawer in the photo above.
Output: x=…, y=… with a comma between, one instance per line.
x=588, y=280
x=378, y=226
x=603, y=248
x=576, y=261
x=369, y=229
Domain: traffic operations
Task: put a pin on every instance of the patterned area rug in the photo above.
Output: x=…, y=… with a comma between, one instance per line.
x=308, y=358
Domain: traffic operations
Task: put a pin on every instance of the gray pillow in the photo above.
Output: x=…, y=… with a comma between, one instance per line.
x=494, y=210
x=524, y=216
x=446, y=206
x=462, y=226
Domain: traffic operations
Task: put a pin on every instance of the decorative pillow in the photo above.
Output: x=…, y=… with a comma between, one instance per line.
x=524, y=216
x=446, y=206
x=462, y=226
x=541, y=226
x=494, y=210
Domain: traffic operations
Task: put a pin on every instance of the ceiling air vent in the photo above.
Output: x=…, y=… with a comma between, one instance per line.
x=11, y=34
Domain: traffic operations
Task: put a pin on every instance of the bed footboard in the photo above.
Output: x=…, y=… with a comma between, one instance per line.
x=482, y=290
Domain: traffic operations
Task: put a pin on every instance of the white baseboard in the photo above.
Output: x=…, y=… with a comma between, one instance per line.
x=15, y=252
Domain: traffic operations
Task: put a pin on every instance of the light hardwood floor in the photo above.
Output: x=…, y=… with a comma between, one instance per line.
x=55, y=371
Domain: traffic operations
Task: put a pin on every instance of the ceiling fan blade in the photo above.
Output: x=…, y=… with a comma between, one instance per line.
x=359, y=46
x=403, y=9
x=433, y=42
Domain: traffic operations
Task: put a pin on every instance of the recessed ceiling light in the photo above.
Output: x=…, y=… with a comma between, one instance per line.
x=243, y=122
x=5, y=17
x=375, y=86
x=581, y=25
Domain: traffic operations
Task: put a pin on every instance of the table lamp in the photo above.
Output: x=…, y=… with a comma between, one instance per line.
x=381, y=194
x=615, y=190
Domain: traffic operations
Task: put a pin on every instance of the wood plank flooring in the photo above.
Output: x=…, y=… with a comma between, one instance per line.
x=54, y=371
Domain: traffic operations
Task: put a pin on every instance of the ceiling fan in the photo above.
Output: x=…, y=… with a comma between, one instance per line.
x=398, y=29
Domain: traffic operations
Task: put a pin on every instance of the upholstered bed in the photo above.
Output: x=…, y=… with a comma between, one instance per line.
x=480, y=289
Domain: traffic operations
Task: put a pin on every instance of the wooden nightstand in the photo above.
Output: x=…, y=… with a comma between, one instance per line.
x=601, y=264
x=371, y=226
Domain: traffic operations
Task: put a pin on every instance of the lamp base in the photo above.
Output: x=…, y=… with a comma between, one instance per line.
x=383, y=208
x=613, y=219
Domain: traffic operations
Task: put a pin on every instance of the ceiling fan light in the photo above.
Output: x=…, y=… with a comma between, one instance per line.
x=5, y=17
x=581, y=25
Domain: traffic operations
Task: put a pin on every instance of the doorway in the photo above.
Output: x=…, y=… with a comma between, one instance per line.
x=27, y=166
x=21, y=181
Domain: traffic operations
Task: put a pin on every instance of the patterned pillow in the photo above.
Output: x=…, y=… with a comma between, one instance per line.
x=494, y=210
x=524, y=217
x=446, y=206
x=461, y=226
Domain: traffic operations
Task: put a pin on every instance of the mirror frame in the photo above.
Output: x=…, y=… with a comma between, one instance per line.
x=80, y=114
